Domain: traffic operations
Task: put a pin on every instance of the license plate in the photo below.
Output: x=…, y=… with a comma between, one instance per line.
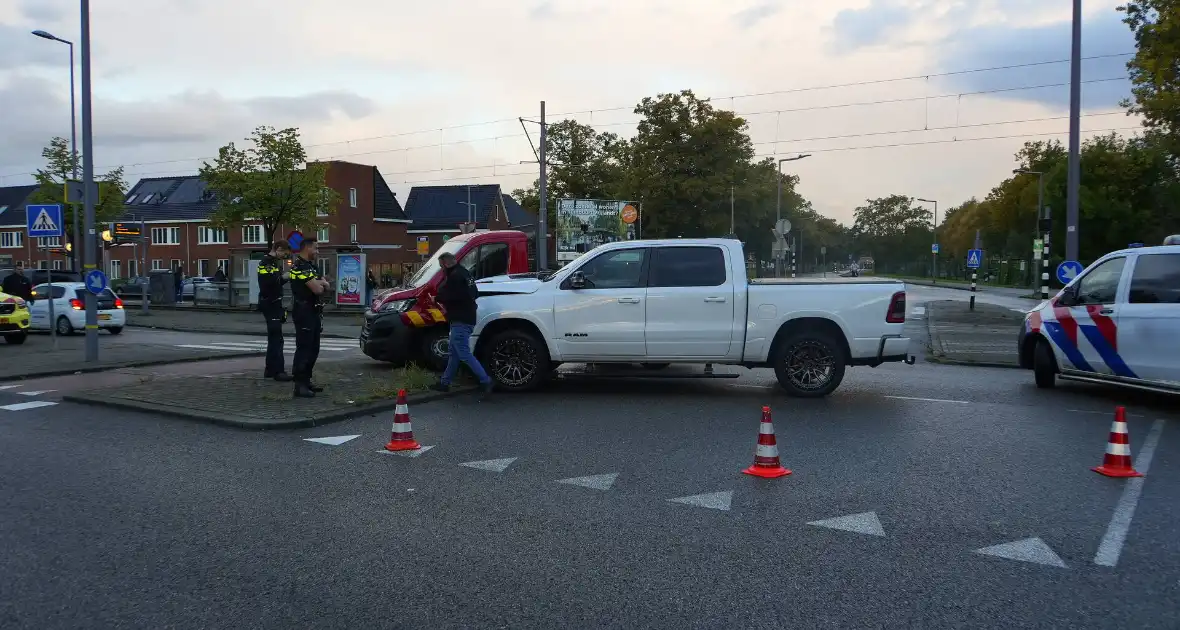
x=104, y=317
x=3, y=320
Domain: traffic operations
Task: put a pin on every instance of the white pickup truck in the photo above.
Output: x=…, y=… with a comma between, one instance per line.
x=686, y=301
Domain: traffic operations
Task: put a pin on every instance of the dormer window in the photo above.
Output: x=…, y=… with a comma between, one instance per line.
x=147, y=198
x=131, y=199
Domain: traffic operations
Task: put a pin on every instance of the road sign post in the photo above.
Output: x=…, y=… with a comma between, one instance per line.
x=1068, y=270
x=45, y=221
x=974, y=260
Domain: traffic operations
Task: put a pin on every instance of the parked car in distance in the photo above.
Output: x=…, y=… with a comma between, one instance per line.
x=188, y=287
x=133, y=288
x=69, y=310
x=687, y=301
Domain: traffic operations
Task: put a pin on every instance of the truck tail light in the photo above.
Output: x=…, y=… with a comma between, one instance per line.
x=896, y=314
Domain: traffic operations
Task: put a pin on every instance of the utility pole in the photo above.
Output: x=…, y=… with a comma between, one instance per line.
x=543, y=214
x=1075, y=137
x=731, y=229
x=88, y=185
x=934, y=242
x=144, y=273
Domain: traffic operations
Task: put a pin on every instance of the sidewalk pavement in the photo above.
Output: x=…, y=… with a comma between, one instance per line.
x=330, y=310
x=983, y=337
x=38, y=358
x=353, y=387
x=232, y=323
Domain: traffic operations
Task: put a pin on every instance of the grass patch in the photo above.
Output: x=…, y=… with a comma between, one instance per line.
x=356, y=385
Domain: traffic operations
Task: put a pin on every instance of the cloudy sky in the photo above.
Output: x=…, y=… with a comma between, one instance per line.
x=430, y=92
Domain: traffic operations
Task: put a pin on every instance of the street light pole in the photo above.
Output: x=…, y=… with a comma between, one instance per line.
x=778, y=211
x=88, y=184
x=1073, y=182
x=73, y=140
x=933, y=242
x=1040, y=203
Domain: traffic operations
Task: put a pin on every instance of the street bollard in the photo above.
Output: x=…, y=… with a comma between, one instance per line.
x=974, y=277
x=1045, y=269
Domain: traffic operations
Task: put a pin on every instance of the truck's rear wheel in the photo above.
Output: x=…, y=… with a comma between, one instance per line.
x=809, y=364
x=436, y=348
x=1044, y=365
x=516, y=360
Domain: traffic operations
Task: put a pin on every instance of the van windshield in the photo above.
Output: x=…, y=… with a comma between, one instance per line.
x=430, y=267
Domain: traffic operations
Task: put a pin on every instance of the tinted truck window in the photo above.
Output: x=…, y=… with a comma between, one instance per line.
x=1156, y=279
x=688, y=267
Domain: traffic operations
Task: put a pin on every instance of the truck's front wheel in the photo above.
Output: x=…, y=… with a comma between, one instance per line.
x=516, y=360
x=809, y=364
x=436, y=348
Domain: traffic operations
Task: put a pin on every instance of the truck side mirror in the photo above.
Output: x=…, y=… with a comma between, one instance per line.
x=578, y=280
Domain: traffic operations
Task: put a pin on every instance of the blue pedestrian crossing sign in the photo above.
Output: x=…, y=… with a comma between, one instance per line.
x=96, y=281
x=44, y=220
x=1068, y=270
x=934, y=248
x=974, y=258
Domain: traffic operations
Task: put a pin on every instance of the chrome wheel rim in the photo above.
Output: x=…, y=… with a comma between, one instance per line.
x=514, y=362
x=441, y=348
x=63, y=326
x=810, y=365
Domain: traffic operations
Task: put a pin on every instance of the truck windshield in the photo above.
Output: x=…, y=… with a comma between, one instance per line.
x=430, y=267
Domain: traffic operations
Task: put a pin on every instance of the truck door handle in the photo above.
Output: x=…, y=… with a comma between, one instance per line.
x=715, y=299
x=628, y=300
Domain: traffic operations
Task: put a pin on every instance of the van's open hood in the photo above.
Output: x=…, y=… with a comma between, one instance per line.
x=506, y=285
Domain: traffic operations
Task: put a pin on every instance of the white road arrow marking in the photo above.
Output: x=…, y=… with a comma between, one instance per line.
x=863, y=523
x=713, y=500
x=1028, y=550
x=595, y=482
x=491, y=465
x=336, y=440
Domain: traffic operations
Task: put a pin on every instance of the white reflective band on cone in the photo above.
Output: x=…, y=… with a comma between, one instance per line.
x=766, y=451
x=1119, y=427
x=1118, y=449
x=401, y=427
x=401, y=410
x=766, y=428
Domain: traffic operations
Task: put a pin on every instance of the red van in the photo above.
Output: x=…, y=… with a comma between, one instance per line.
x=406, y=324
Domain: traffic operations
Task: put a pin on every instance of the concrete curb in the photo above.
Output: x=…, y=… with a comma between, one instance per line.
x=257, y=333
x=259, y=425
x=128, y=364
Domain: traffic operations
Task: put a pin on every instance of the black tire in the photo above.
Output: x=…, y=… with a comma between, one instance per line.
x=435, y=348
x=655, y=366
x=16, y=339
x=115, y=330
x=64, y=327
x=516, y=360
x=1044, y=365
x=810, y=364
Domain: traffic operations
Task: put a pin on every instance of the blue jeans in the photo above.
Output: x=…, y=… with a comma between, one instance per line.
x=460, y=342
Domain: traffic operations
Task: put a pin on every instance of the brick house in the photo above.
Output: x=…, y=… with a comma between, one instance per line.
x=176, y=211
x=437, y=211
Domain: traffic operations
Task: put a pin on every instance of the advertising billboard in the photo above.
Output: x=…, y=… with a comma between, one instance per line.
x=583, y=224
x=350, y=279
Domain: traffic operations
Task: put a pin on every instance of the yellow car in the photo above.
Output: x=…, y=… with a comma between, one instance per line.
x=14, y=318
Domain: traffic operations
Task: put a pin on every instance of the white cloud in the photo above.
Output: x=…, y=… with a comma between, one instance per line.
x=176, y=79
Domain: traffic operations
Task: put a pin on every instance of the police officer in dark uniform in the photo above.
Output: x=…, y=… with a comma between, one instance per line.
x=272, y=275
x=306, y=288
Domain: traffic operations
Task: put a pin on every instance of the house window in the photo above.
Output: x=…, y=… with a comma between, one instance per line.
x=352, y=233
x=321, y=235
x=203, y=267
x=41, y=264
x=12, y=239
x=166, y=236
x=57, y=265
x=252, y=235
x=157, y=264
x=131, y=199
x=351, y=197
x=116, y=269
x=132, y=268
x=175, y=264
x=147, y=198
x=211, y=236
x=223, y=265
x=49, y=241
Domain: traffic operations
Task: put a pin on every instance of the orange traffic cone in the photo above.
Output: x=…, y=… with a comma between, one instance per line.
x=402, y=438
x=1117, y=462
x=766, y=462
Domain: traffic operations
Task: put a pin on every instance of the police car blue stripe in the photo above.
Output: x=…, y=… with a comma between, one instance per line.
x=1057, y=334
x=1109, y=356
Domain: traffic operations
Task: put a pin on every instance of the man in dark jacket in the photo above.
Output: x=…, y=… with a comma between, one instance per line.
x=457, y=294
x=18, y=284
x=273, y=273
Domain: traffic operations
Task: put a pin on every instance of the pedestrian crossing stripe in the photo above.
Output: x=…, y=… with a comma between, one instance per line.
x=44, y=223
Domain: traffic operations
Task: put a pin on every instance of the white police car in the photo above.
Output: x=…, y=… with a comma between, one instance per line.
x=1117, y=322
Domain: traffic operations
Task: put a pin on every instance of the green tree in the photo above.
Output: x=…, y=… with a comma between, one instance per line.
x=271, y=181
x=60, y=163
x=1155, y=75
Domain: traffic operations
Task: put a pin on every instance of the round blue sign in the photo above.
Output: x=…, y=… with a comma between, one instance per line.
x=1068, y=270
x=96, y=281
x=295, y=240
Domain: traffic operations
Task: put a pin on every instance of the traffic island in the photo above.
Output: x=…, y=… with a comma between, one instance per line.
x=38, y=357
x=351, y=389
x=984, y=337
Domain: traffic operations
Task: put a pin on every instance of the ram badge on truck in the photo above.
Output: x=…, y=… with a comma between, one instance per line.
x=686, y=301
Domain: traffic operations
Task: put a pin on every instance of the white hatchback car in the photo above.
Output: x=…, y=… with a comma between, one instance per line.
x=69, y=309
